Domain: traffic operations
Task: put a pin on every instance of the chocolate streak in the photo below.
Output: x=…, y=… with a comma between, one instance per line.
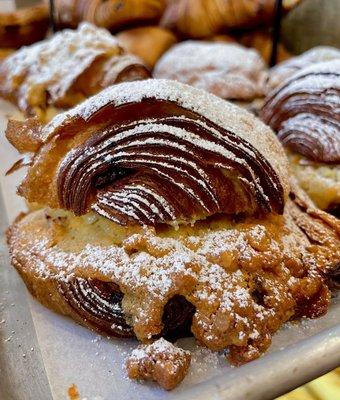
x=160, y=163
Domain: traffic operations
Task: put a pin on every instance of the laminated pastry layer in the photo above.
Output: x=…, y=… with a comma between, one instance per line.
x=242, y=279
x=152, y=152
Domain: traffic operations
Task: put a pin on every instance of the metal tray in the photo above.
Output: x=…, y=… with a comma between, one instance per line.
x=42, y=354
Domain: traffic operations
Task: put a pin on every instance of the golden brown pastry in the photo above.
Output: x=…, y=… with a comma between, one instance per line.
x=110, y=14
x=227, y=70
x=148, y=42
x=24, y=26
x=304, y=111
x=165, y=210
x=65, y=69
x=160, y=361
x=262, y=41
x=203, y=18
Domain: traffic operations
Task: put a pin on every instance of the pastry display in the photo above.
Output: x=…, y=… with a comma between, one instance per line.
x=109, y=14
x=62, y=71
x=147, y=42
x=304, y=111
x=165, y=210
x=227, y=70
x=285, y=70
x=23, y=26
x=203, y=18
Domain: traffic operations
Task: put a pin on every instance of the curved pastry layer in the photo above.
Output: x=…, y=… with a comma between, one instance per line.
x=202, y=18
x=109, y=14
x=287, y=69
x=227, y=70
x=243, y=279
x=305, y=112
x=24, y=26
x=66, y=69
x=155, y=152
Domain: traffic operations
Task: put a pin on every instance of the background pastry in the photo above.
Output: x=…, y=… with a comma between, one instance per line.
x=203, y=18
x=109, y=14
x=304, y=111
x=148, y=42
x=285, y=70
x=65, y=69
x=159, y=194
x=227, y=70
x=24, y=26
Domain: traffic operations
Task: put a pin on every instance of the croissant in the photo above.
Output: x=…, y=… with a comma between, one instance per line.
x=285, y=70
x=109, y=14
x=203, y=18
x=165, y=210
x=304, y=111
x=65, y=69
x=24, y=26
x=227, y=70
x=148, y=43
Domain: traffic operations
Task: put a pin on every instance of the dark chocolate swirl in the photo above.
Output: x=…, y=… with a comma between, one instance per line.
x=305, y=112
x=177, y=166
x=99, y=304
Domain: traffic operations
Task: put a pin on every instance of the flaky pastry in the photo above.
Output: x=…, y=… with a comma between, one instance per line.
x=65, y=69
x=228, y=70
x=304, y=111
x=23, y=26
x=165, y=210
x=147, y=42
x=204, y=18
x=110, y=14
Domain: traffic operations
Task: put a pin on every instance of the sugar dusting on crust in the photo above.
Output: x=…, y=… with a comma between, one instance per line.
x=58, y=60
x=220, y=112
x=244, y=280
x=160, y=361
x=227, y=70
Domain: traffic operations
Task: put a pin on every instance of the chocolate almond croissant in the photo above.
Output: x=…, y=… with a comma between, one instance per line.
x=165, y=210
x=65, y=69
x=304, y=111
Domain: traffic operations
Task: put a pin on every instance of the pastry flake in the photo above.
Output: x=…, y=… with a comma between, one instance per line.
x=160, y=361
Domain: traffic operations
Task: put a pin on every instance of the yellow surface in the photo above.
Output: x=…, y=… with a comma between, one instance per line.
x=326, y=387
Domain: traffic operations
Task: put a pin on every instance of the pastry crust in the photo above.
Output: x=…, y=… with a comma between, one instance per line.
x=65, y=69
x=24, y=26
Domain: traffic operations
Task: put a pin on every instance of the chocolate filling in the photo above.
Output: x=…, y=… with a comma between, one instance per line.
x=100, y=305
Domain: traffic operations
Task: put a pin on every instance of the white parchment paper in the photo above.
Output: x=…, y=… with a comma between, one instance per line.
x=74, y=355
